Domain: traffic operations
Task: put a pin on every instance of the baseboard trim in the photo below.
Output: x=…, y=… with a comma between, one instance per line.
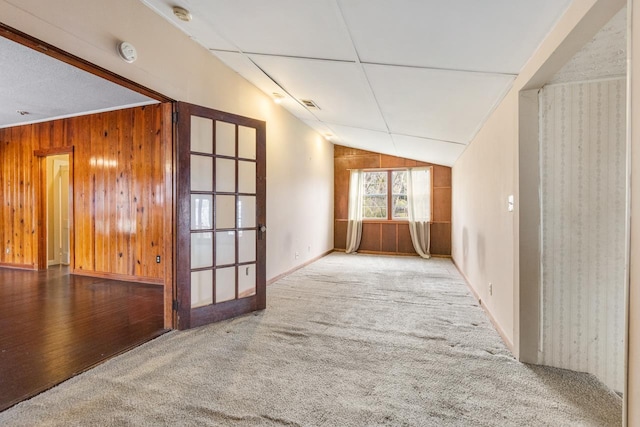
x=18, y=266
x=493, y=321
x=392, y=253
x=120, y=277
x=294, y=269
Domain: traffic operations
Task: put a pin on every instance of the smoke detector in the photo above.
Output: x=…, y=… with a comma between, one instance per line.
x=182, y=14
x=127, y=52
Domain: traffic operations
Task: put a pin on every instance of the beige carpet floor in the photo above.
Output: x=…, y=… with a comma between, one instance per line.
x=351, y=340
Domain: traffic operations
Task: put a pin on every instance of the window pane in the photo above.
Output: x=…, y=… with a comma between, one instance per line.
x=399, y=207
x=399, y=195
x=375, y=195
x=399, y=179
x=375, y=206
x=375, y=183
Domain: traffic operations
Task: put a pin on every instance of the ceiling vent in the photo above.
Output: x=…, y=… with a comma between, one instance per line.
x=310, y=104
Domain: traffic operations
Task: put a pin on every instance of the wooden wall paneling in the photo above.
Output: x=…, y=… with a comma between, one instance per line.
x=389, y=237
x=346, y=158
x=441, y=238
x=371, y=237
x=405, y=245
x=113, y=236
x=119, y=173
x=41, y=201
x=168, y=225
x=152, y=222
x=84, y=200
x=441, y=204
x=27, y=220
x=4, y=142
x=441, y=176
x=126, y=234
x=340, y=234
x=96, y=150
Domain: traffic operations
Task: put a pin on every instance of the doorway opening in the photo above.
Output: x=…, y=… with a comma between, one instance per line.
x=58, y=211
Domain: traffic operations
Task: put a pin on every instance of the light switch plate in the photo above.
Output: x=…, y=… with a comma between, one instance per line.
x=510, y=203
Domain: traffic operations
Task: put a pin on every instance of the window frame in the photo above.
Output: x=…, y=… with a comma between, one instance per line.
x=389, y=218
x=389, y=197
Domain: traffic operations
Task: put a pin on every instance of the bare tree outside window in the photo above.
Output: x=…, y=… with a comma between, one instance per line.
x=375, y=195
x=379, y=188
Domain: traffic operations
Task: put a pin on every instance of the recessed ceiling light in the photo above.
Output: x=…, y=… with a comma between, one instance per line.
x=277, y=97
x=182, y=14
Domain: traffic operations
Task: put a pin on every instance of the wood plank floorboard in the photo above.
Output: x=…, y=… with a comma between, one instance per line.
x=54, y=325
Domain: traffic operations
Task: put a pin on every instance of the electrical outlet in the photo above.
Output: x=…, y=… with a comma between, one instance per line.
x=297, y=255
x=7, y=250
x=490, y=289
x=158, y=259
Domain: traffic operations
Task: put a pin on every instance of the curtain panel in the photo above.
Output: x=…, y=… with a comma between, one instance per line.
x=419, y=209
x=354, y=224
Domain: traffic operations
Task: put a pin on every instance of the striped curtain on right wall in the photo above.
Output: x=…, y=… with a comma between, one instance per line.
x=583, y=203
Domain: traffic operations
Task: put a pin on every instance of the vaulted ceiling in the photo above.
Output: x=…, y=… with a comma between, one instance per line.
x=409, y=78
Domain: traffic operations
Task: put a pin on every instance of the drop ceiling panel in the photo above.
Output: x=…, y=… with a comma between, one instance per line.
x=247, y=69
x=379, y=142
x=493, y=36
x=320, y=127
x=340, y=89
x=427, y=150
x=436, y=104
x=200, y=28
x=309, y=29
x=47, y=88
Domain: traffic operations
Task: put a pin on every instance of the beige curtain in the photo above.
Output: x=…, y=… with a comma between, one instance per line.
x=354, y=226
x=419, y=207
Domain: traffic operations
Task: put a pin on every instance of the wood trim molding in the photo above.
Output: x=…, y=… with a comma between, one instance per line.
x=294, y=269
x=61, y=55
x=53, y=151
x=120, y=277
x=18, y=266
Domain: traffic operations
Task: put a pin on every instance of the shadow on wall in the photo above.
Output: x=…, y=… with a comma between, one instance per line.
x=465, y=247
x=480, y=251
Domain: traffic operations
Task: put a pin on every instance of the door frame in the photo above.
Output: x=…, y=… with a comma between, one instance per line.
x=184, y=316
x=41, y=203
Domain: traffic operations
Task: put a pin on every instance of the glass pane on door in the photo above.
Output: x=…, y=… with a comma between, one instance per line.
x=225, y=284
x=225, y=211
x=225, y=139
x=246, y=280
x=201, y=135
x=246, y=143
x=225, y=175
x=201, y=288
x=201, y=173
x=226, y=257
x=246, y=177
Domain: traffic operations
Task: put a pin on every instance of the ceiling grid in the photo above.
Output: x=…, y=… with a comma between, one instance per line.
x=406, y=78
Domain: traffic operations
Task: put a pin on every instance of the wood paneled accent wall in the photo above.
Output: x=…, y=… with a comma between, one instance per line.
x=390, y=237
x=120, y=166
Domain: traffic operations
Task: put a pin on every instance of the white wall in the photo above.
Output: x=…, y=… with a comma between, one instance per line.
x=583, y=201
x=299, y=163
x=485, y=236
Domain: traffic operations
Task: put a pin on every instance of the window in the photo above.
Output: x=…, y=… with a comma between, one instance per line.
x=382, y=200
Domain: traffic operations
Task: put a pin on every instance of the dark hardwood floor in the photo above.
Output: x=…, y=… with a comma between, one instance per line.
x=54, y=325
